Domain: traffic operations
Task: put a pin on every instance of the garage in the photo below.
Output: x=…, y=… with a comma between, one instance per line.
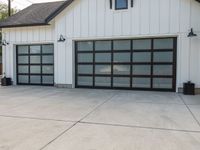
x=143, y=64
x=35, y=64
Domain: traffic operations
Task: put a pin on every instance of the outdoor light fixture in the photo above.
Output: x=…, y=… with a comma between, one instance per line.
x=61, y=39
x=132, y=3
x=192, y=34
x=4, y=43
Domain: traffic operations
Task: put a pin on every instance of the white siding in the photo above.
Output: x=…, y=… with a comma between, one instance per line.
x=93, y=19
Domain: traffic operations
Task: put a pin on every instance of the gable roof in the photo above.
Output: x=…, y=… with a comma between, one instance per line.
x=36, y=14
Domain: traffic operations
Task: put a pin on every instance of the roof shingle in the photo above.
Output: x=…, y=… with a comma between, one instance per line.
x=36, y=14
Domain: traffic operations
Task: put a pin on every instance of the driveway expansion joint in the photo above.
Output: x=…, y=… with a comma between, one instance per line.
x=58, y=136
x=139, y=127
x=65, y=131
x=189, y=110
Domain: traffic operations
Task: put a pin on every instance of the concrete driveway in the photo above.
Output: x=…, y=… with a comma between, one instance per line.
x=47, y=118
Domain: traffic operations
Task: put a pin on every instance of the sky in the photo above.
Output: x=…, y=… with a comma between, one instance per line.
x=21, y=4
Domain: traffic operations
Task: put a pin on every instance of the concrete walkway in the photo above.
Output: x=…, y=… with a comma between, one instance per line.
x=47, y=118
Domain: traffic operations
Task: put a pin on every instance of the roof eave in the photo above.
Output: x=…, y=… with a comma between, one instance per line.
x=25, y=25
x=58, y=11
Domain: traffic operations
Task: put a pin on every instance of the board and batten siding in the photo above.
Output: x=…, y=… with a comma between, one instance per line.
x=93, y=19
x=23, y=36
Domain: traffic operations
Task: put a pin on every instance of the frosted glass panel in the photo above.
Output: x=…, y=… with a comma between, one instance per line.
x=122, y=45
x=141, y=44
x=47, y=69
x=35, y=69
x=85, y=69
x=141, y=57
x=141, y=82
x=23, y=59
x=121, y=82
x=47, y=59
x=102, y=81
x=47, y=79
x=35, y=49
x=102, y=45
x=85, y=46
x=35, y=59
x=47, y=49
x=141, y=69
x=23, y=69
x=23, y=79
x=102, y=69
x=85, y=81
x=85, y=57
x=121, y=69
x=163, y=56
x=162, y=83
x=22, y=49
x=122, y=57
x=162, y=69
x=163, y=43
x=103, y=57
x=35, y=79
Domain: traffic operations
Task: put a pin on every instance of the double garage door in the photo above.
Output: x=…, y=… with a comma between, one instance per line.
x=35, y=64
x=146, y=64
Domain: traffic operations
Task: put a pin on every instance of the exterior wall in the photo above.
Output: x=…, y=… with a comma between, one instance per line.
x=23, y=35
x=93, y=19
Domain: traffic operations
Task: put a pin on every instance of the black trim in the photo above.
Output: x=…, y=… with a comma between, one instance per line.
x=131, y=75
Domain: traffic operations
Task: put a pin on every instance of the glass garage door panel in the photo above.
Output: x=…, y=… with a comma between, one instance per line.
x=35, y=65
x=85, y=69
x=141, y=82
x=85, y=81
x=103, y=69
x=49, y=80
x=163, y=83
x=121, y=82
x=103, y=81
x=121, y=69
x=121, y=57
x=24, y=79
x=127, y=64
x=35, y=79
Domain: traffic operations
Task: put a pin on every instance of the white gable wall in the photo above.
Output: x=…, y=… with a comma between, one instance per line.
x=93, y=19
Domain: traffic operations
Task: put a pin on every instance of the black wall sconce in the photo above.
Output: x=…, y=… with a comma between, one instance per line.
x=192, y=34
x=111, y=4
x=4, y=43
x=132, y=3
x=61, y=39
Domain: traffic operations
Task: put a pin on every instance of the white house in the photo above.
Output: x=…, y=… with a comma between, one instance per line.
x=118, y=44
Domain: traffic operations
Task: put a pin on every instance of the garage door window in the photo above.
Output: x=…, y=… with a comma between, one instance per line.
x=127, y=64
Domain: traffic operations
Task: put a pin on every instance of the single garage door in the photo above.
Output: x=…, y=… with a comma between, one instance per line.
x=146, y=64
x=35, y=64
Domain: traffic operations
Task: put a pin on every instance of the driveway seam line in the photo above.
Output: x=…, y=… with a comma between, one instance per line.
x=139, y=127
x=190, y=110
x=33, y=118
x=65, y=131
x=58, y=136
x=98, y=106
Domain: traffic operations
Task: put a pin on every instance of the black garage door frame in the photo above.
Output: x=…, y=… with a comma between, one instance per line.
x=131, y=75
x=39, y=64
